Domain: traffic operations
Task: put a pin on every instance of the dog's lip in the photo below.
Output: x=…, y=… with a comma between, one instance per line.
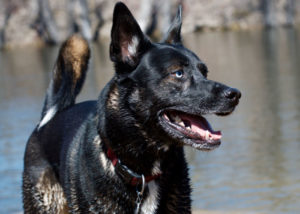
x=192, y=127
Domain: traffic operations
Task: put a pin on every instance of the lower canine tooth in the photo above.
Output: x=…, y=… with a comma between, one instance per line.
x=166, y=117
x=181, y=123
x=207, y=135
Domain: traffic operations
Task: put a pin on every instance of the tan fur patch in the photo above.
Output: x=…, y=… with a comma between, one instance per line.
x=75, y=52
x=113, y=99
x=174, y=68
x=50, y=194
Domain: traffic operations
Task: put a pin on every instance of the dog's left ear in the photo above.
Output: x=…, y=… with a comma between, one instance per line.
x=128, y=42
x=173, y=35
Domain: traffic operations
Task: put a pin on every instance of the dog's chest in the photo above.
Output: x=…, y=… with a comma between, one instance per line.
x=151, y=201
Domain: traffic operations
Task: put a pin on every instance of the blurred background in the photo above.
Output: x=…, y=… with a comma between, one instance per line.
x=37, y=21
x=252, y=45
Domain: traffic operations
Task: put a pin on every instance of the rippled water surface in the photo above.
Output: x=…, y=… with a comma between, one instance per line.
x=257, y=167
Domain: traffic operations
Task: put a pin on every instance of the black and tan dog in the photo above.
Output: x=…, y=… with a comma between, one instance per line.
x=124, y=152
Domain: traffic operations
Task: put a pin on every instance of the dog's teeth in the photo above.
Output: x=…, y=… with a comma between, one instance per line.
x=166, y=117
x=187, y=123
x=181, y=123
x=178, y=119
x=207, y=135
x=170, y=117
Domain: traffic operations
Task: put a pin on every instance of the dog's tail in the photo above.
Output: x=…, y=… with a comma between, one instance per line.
x=67, y=78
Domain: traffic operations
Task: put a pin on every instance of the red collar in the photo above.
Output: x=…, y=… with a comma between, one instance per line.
x=125, y=173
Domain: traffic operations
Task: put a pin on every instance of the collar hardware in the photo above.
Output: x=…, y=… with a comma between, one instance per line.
x=139, y=197
x=127, y=174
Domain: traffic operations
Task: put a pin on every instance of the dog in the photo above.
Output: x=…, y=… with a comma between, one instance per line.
x=124, y=152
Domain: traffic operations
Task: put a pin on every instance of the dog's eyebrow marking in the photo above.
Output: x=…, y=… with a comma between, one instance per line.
x=174, y=67
x=48, y=116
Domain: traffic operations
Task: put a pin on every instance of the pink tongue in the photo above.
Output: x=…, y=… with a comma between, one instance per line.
x=202, y=127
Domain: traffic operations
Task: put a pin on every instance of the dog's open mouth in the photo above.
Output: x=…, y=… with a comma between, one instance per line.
x=194, y=130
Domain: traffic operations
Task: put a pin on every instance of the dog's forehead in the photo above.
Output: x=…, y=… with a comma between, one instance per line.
x=163, y=54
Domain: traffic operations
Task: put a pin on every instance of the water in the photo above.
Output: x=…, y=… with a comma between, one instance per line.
x=257, y=167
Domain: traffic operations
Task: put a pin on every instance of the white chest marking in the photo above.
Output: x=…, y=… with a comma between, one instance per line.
x=150, y=204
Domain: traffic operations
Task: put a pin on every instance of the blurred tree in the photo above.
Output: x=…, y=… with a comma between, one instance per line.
x=98, y=12
x=155, y=16
x=270, y=10
x=290, y=12
x=80, y=18
x=45, y=24
x=24, y=21
x=8, y=7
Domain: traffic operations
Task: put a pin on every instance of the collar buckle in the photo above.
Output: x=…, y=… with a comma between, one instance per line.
x=127, y=174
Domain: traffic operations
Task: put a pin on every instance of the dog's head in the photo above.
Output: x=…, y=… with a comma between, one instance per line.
x=165, y=85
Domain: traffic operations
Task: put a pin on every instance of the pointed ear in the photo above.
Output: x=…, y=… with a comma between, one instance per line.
x=173, y=35
x=128, y=42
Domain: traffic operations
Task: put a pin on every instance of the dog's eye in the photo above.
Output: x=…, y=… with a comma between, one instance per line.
x=178, y=74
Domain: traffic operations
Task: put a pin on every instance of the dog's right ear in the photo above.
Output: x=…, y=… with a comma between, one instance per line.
x=128, y=42
x=173, y=35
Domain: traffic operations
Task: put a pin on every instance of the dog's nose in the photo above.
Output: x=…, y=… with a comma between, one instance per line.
x=232, y=94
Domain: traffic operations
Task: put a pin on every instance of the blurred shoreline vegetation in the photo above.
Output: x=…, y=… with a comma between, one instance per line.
x=39, y=22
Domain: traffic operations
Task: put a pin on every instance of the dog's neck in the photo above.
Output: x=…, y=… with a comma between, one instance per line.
x=138, y=153
x=140, y=161
x=128, y=175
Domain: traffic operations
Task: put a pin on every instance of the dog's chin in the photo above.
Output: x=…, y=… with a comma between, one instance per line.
x=190, y=129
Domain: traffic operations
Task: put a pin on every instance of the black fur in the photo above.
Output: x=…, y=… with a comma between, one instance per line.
x=66, y=165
